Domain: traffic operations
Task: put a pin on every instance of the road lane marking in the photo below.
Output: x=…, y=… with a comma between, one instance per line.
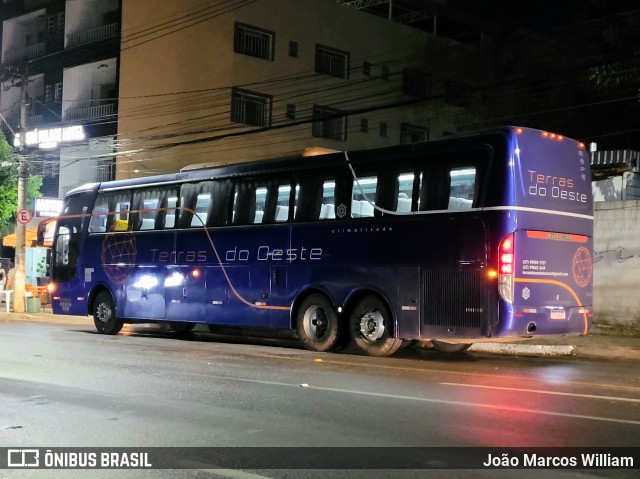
x=538, y=391
x=229, y=473
x=330, y=361
x=426, y=400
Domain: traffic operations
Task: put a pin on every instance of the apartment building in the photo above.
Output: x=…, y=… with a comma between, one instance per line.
x=68, y=53
x=121, y=88
x=224, y=82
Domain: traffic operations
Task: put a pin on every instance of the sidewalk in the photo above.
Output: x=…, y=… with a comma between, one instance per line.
x=602, y=342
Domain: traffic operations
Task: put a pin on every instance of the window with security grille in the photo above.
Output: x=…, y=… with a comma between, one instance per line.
x=55, y=23
x=412, y=134
x=53, y=92
x=250, y=107
x=329, y=123
x=332, y=62
x=253, y=41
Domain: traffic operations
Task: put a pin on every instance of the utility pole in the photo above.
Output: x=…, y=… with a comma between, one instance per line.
x=19, y=300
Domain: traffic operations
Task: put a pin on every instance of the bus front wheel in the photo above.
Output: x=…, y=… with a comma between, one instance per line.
x=317, y=324
x=104, y=315
x=370, y=327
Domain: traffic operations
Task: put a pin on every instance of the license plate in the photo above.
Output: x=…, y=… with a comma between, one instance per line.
x=558, y=315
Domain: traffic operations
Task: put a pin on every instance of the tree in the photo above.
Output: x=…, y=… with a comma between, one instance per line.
x=9, y=186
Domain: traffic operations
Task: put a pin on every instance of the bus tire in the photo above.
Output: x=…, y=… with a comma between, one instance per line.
x=370, y=328
x=317, y=324
x=104, y=314
x=450, y=348
x=179, y=327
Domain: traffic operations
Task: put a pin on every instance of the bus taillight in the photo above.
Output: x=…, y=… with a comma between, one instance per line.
x=506, y=262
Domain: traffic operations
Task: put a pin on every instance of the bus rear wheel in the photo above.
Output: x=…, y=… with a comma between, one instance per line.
x=317, y=324
x=104, y=315
x=370, y=326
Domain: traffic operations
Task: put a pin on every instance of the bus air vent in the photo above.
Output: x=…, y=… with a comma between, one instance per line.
x=453, y=298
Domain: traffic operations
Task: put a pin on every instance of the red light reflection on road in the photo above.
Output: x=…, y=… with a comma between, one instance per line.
x=502, y=418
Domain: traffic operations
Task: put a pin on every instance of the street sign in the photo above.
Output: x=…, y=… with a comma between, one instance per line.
x=23, y=216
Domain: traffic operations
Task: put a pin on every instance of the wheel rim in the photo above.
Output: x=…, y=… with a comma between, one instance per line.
x=103, y=312
x=372, y=326
x=315, y=323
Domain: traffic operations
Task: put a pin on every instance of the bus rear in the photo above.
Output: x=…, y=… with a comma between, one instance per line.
x=545, y=264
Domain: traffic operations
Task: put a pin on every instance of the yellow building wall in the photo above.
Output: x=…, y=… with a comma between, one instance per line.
x=177, y=69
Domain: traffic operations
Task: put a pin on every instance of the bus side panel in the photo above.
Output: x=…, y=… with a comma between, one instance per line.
x=453, y=299
x=240, y=287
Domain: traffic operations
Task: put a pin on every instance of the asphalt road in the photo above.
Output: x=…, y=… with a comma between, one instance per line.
x=67, y=386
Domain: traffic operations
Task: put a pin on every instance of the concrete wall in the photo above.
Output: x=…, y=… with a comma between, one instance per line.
x=616, y=277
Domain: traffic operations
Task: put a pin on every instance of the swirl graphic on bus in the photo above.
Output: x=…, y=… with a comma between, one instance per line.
x=582, y=267
x=119, y=255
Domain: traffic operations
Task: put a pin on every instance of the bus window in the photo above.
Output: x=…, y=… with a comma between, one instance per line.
x=363, y=197
x=149, y=213
x=98, y=222
x=249, y=201
x=170, y=216
x=328, y=206
x=167, y=201
x=405, y=192
x=203, y=204
x=461, y=188
x=260, y=206
x=111, y=213
x=315, y=197
x=282, y=206
x=197, y=202
x=148, y=202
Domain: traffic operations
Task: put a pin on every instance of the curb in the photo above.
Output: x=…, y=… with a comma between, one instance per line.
x=523, y=349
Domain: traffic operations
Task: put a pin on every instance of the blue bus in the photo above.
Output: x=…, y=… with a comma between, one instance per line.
x=455, y=241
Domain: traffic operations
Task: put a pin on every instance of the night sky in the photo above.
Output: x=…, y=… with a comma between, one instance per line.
x=601, y=65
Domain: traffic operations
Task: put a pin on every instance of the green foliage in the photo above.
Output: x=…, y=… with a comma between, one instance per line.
x=615, y=46
x=9, y=186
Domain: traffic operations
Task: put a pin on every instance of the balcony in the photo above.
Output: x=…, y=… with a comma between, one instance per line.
x=90, y=113
x=93, y=35
x=15, y=55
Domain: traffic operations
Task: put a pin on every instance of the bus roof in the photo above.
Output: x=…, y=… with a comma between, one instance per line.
x=303, y=162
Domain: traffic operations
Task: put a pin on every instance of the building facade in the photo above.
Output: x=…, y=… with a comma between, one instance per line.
x=68, y=53
x=250, y=80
